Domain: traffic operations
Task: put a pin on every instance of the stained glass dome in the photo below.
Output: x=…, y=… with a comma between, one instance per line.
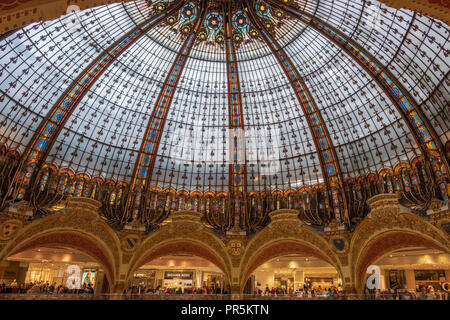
x=228, y=96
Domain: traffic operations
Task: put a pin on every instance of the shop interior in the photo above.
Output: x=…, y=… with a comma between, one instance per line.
x=406, y=269
x=57, y=266
x=181, y=273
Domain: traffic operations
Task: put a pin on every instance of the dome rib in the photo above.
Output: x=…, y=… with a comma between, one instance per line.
x=48, y=131
x=149, y=149
x=327, y=154
x=238, y=171
x=410, y=111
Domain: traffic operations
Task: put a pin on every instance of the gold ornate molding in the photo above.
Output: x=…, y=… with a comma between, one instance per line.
x=438, y=9
x=386, y=229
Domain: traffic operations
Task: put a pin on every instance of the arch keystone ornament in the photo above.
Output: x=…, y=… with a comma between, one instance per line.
x=339, y=244
x=130, y=242
x=186, y=216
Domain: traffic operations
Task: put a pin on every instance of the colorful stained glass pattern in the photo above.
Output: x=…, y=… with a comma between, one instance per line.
x=68, y=102
x=384, y=77
x=263, y=10
x=311, y=112
x=240, y=22
x=188, y=13
x=317, y=126
x=238, y=176
x=155, y=127
x=213, y=23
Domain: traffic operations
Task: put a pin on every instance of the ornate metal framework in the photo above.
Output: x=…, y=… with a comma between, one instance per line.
x=223, y=26
x=44, y=138
x=238, y=174
x=146, y=158
x=417, y=122
x=327, y=155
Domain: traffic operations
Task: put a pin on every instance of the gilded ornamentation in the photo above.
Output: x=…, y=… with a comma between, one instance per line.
x=339, y=244
x=9, y=228
x=283, y=235
x=130, y=242
x=186, y=234
x=398, y=229
x=387, y=229
x=235, y=247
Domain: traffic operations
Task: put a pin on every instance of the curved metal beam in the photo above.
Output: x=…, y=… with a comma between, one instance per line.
x=238, y=170
x=146, y=159
x=325, y=149
x=49, y=129
x=424, y=134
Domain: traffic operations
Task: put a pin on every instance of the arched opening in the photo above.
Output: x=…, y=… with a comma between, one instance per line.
x=53, y=270
x=299, y=275
x=291, y=268
x=176, y=275
x=400, y=261
x=59, y=255
x=414, y=272
x=178, y=268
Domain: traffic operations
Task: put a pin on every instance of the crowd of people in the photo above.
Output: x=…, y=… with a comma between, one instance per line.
x=147, y=290
x=420, y=293
x=305, y=292
x=41, y=287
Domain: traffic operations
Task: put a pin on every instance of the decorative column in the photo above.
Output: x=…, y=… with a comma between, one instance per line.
x=439, y=213
x=236, y=242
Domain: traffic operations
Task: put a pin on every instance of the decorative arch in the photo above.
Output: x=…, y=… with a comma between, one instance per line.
x=282, y=247
x=177, y=246
x=78, y=229
x=185, y=234
x=73, y=239
x=284, y=236
x=380, y=235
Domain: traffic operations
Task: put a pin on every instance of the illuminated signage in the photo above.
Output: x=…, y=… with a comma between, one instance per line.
x=178, y=275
